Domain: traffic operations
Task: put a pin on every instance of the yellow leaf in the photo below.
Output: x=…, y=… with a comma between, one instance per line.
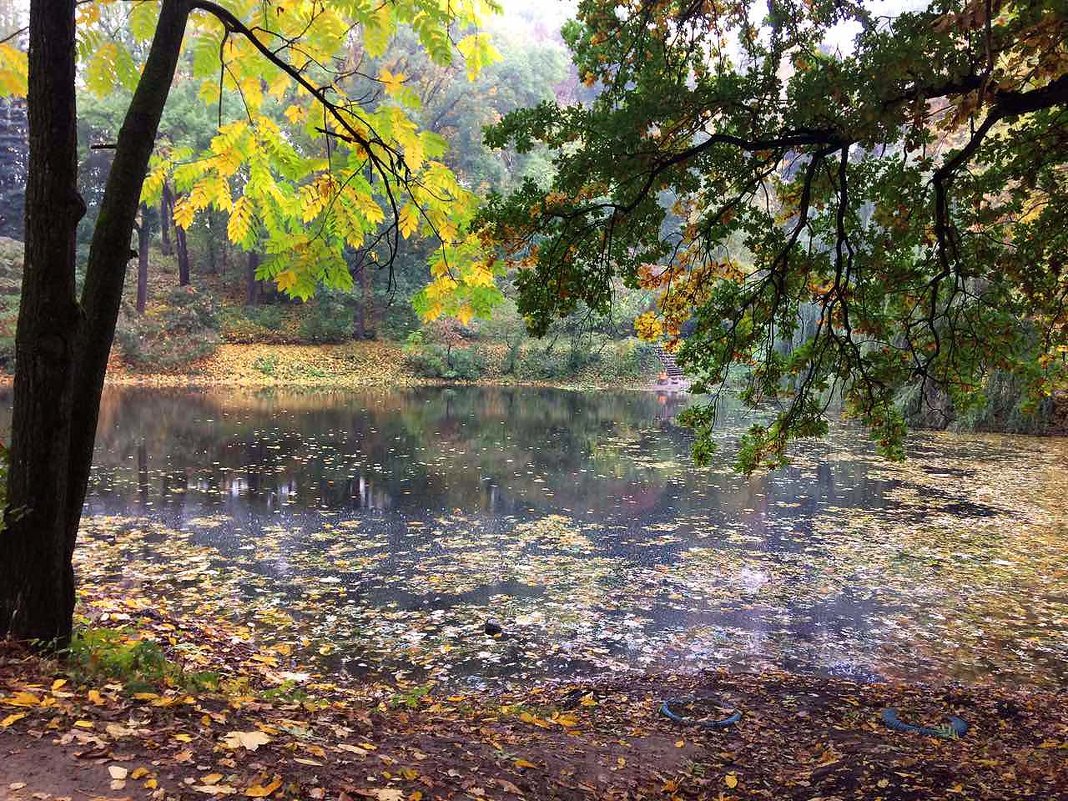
x=137, y=773
x=11, y=719
x=183, y=213
x=262, y=791
x=83, y=724
x=249, y=740
x=408, y=220
x=22, y=698
x=522, y=763
x=183, y=738
x=285, y=280
x=237, y=227
x=730, y=780
x=58, y=683
x=393, y=82
x=96, y=698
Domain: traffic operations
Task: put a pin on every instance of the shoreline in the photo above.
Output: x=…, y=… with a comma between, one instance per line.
x=350, y=366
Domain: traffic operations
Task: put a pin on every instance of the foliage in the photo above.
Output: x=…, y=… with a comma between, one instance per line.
x=908, y=185
x=105, y=654
x=172, y=335
x=254, y=324
x=299, y=171
x=267, y=364
x=443, y=358
x=327, y=319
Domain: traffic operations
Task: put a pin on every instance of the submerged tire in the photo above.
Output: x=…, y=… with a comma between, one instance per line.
x=954, y=730
x=672, y=715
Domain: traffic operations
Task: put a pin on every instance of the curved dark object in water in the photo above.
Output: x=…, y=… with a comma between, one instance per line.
x=670, y=714
x=955, y=729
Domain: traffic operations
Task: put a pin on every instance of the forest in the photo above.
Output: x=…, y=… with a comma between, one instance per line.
x=508, y=399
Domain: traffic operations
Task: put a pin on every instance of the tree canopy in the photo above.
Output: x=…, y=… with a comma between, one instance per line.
x=313, y=147
x=831, y=204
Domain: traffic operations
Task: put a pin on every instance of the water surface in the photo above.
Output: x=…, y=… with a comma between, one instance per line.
x=381, y=529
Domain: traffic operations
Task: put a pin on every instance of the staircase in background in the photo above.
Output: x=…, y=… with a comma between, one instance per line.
x=671, y=367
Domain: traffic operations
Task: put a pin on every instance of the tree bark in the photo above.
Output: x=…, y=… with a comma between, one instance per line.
x=62, y=351
x=166, y=222
x=183, y=255
x=143, y=233
x=252, y=285
x=36, y=577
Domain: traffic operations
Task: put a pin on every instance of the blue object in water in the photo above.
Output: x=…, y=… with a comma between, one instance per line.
x=956, y=728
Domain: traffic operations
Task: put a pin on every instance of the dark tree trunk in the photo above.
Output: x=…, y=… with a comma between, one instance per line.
x=62, y=351
x=143, y=233
x=183, y=255
x=252, y=285
x=364, y=312
x=166, y=222
x=36, y=577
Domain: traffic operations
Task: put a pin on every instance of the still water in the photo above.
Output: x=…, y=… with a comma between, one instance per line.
x=382, y=529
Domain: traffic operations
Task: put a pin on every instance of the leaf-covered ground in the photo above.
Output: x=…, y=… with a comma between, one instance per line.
x=268, y=728
x=352, y=365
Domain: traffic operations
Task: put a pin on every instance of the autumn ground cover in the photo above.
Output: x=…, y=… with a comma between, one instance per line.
x=352, y=365
x=225, y=715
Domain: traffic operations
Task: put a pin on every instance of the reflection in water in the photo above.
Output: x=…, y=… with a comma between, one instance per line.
x=388, y=525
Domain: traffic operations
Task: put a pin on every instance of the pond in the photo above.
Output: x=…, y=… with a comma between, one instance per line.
x=380, y=530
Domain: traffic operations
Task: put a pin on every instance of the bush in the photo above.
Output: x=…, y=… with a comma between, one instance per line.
x=630, y=358
x=255, y=324
x=170, y=336
x=452, y=363
x=327, y=321
x=541, y=364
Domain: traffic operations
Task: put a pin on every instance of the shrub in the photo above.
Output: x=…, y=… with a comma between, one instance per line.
x=327, y=320
x=432, y=360
x=538, y=363
x=274, y=324
x=172, y=335
x=627, y=359
x=266, y=364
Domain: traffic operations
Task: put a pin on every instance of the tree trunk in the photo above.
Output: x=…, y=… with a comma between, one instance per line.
x=252, y=285
x=142, y=260
x=183, y=255
x=366, y=303
x=36, y=577
x=62, y=351
x=166, y=222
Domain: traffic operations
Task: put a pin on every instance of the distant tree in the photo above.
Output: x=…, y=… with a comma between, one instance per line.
x=907, y=189
x=304, y=205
